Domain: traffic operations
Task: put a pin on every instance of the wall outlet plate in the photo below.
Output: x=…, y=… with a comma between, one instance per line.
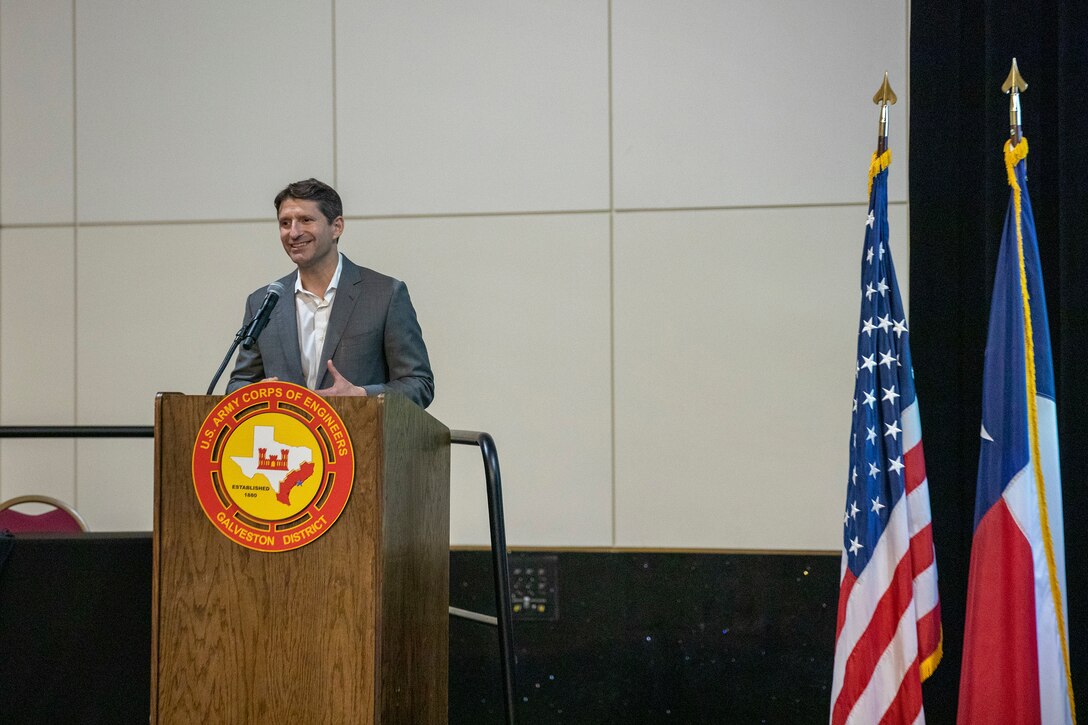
x=534, y=587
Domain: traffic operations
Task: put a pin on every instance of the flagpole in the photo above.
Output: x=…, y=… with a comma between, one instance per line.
x=888, y=634
x=884, y=97
x=1014, y=85
x=1016, y=665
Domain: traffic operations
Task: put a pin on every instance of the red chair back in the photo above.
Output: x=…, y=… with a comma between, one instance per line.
x=59, y=519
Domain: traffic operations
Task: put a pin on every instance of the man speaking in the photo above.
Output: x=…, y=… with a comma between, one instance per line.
x=350, y=330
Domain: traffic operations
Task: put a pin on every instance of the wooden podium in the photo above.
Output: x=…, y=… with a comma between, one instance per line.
x=350, y=628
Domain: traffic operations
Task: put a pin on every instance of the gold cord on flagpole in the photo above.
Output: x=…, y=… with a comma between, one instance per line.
x=878, y=163
x=1016, y=150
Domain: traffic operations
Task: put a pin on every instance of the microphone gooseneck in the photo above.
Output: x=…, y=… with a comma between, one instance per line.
x=247, y=336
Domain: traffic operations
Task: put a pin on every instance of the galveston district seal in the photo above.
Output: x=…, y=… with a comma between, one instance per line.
x=273, y=466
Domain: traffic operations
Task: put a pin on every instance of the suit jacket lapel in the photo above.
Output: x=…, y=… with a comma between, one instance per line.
x=347, y=294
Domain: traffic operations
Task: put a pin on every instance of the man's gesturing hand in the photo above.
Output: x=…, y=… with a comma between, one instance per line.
x=340, y=385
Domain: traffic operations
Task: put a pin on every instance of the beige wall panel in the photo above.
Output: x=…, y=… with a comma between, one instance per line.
x=36, y=137
x=200, y=110
x=37, y=326
x=734, y=330
x=741, y=103
x=515, y=311
x=116, y=483
x=158, y=308
x=37, y=359
x=474, y=106
x=42, y=466
x=735, y=339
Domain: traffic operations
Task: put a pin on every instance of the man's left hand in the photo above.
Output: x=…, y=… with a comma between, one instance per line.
x=340, y=385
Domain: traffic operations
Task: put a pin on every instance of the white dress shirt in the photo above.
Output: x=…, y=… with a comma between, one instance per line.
x=313, y=321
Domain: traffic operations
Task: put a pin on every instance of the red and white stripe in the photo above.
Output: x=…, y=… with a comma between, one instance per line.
x=889, y=616
x=1013, y=666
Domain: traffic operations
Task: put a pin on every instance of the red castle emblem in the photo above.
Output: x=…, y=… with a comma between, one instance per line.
x=266, y=462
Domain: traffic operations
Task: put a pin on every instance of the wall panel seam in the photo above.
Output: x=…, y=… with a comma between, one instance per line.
x=611, y=285
x=75, y=256
x=454, y=215
x=335, y=153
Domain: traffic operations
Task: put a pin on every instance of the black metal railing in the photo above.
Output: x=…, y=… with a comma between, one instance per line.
x=499, y=561
x=77, y=431
x=496, y=522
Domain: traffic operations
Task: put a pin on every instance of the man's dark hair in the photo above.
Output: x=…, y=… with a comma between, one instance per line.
x=328, y=201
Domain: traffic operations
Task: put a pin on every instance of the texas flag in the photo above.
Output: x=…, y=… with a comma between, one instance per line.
x=1016, y=645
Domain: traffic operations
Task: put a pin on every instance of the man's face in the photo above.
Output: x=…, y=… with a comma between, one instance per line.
x=307, y=237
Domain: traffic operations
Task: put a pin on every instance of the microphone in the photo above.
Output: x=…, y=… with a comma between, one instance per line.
x=261, y=318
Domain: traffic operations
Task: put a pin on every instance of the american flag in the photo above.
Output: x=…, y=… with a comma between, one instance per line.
x=888, y=634
x=1015, y=645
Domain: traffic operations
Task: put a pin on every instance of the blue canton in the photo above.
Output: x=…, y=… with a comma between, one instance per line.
x=884, y=387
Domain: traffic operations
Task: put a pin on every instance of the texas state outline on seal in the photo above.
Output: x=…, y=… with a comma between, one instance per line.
x=273, y=466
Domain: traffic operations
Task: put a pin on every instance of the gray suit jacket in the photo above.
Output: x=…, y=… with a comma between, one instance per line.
x=373, y=338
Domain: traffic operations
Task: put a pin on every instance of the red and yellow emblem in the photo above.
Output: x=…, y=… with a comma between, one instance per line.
x=273, y=466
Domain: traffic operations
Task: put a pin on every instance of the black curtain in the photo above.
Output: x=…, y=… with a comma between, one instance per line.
x=960, y=54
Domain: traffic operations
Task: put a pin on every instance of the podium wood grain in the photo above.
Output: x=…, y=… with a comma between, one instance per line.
x=351, y=628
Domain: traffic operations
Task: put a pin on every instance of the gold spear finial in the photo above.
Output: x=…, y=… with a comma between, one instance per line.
x=1014, y=85
x=884, y=97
